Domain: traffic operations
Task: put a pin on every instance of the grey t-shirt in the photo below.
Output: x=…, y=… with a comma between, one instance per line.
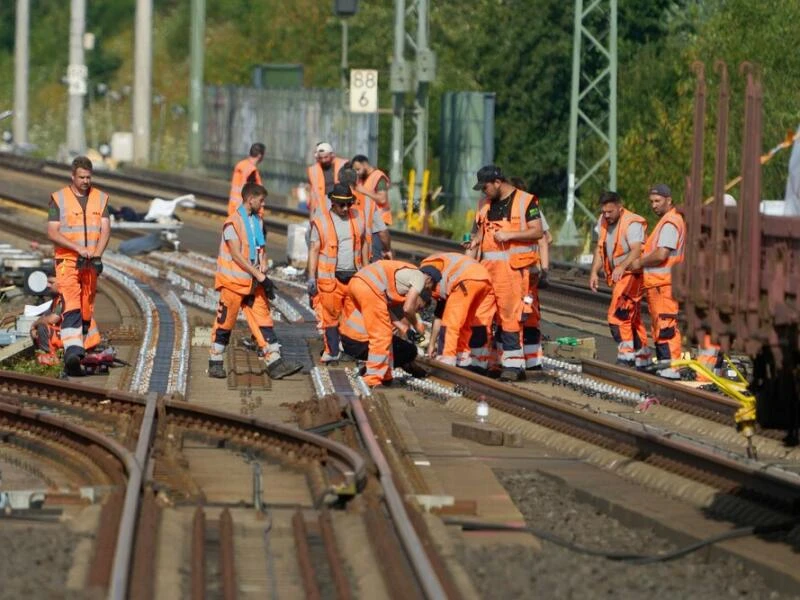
x=405, y=279
x=345, y=261
x=668, y=237
x=635, y=236
x=229, y=235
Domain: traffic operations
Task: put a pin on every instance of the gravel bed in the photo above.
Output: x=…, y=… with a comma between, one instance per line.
x=35, y=560
x=555, y=572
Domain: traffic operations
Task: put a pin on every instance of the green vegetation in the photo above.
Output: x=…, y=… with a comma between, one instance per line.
x=520, y=49
x=27, y=364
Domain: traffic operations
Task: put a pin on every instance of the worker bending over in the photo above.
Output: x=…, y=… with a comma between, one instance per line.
x=337, y=250
x=240, y=277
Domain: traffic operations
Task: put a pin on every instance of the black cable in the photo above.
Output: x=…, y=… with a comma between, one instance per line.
x=630, y=558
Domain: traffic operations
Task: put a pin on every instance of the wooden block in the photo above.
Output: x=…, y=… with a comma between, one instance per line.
x=478, y=432
x=512, y=440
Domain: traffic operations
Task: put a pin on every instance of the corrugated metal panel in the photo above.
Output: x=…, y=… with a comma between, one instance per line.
x=289, y=122
x=467, y=143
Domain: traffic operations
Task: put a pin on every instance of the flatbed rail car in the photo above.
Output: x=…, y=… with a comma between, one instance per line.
x=740, y=278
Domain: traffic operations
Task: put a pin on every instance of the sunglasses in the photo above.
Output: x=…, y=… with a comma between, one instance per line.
x=348, y=204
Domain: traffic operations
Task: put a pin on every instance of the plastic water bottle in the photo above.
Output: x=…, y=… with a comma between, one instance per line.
x=482, y=411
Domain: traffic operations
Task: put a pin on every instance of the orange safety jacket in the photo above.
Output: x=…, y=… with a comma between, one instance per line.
x=230, y=275
x=380, y=276
x=621, y=246
x=455, y=268
x=517, y=254
x=661, y=274
x=79, y=226
x=329, y=242
x=241, y=173
x=370, y=183
x=352, y=324
x=316, y=180
x=367, y=207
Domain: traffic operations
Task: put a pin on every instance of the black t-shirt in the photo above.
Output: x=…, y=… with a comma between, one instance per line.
x=500, y=210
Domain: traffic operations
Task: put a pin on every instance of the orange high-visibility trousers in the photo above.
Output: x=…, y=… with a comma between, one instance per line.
x=709, y=355
x=509, y=289
x=331, y=294
x=256, y=311
x=625, y=317
x=78, y=288
x=480, y=343
x=664, y=317
x=375, y=310
x=459, y=313
x=531, y=333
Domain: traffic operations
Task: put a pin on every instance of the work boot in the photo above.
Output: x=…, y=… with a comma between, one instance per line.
x=281, y=368
x=631, y=364
x=72, y=365
x=669, y=373
x=415, y=370
x=509, y=374
x=216, y=369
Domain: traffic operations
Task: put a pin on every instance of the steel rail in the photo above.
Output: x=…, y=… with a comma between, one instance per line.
x=747, y=475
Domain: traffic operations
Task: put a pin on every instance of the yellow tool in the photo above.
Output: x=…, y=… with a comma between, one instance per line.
x=745, y=417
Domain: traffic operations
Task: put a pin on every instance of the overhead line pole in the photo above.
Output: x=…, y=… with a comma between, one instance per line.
x=197, y=60
x=142, y=82
x=76, y=78
x=21, y=62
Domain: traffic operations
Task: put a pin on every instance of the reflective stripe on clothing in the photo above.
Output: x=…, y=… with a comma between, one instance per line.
x=621, y=246
x=660, y=275
x=371, y=184
x=380, y=277
x=241, y=173
x=81, y=226
x=316, y=181
x=229, y=274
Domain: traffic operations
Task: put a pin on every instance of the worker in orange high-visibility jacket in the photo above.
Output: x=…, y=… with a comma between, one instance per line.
x=79, y=227
x=374, y=184
x=710, y=356
x=508, y=227
x=369, y=211
x=373, y=290
x=461, y=286
x=663, y=250
x=245, y=171
x=240, y=277
x=620, y=242
x=322, y=176
x=355, y=338
x=336, y=251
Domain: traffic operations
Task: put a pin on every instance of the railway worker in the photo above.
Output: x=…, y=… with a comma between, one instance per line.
x=355, y=339
x=45, y=331
x=322, y=176
x=508, y=227
x=241, y=271
x=374, y=184
x=369, y=211
x=662, y=250
x=245, y=171
x=374, y=289
x=79, y=227
x=619, y=244
x=337, y=250
x=461, y=286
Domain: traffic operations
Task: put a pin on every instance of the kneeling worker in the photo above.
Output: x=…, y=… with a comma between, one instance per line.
x=373, y=290
x=337, y=250
x=462, y=287
x=241, y=269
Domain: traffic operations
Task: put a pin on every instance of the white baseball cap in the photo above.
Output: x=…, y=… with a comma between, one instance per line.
x=324, y=148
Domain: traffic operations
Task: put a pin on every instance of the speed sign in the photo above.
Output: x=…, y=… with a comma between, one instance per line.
x=363, y=90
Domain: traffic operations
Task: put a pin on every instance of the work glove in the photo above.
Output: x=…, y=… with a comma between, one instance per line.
x=311, y=287
x=269, y=288
x=544, y=283
x=97, y=264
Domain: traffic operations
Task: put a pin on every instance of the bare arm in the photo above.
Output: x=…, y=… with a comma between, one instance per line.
x=313, y=258
x=386, y=240
x=594, y=277
x=619, y=270
x=410, y=307
x=105, y=235
x=243, y=263
x=531, y=233
x=654, y=258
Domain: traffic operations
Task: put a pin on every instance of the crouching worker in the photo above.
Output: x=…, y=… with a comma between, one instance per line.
x=241, y=272
x=373, y=290
x=336, y=251
x=461, y=286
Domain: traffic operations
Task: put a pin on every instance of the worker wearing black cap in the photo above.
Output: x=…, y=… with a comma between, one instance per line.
x=336, y=251
x=461, y=286
x=509, y=225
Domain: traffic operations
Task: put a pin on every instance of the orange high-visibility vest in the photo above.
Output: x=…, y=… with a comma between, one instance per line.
x=661, y=274
x=79, y=226
x=316, y=180
x=621, y=246
x=367, y=207
x=370, y=183
x=241, y=173
x=518, y=255
x=455, y=268
x=352, y=324
x=229, y=275
x=329, y=242
x=380, y=276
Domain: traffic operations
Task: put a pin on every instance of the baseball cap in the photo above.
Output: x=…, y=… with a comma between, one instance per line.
x=661, y=189
x=487, y=174
x=323, y=148
x=341, y=193
x=432, y=272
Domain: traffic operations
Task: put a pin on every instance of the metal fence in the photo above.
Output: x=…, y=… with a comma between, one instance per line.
x=289, y=122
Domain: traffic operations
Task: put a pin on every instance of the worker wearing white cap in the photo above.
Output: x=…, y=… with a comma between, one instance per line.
x=322, y=176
